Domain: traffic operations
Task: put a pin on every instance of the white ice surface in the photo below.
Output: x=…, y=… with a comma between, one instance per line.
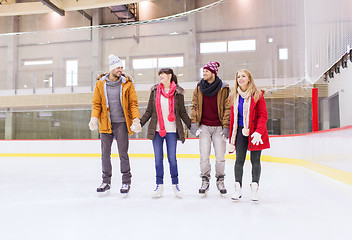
x=55, y=199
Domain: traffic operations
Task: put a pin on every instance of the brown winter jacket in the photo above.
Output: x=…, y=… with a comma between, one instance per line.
x=180, y=113
x=224, y=108
x=129, y=102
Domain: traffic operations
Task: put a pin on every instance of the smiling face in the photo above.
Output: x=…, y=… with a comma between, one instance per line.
x=208, y=76
x=242, y=80
x=165, y=79
x=116, y=73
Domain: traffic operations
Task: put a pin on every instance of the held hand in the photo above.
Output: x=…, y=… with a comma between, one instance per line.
x=225, y=133
x=198, y=132
x=194, y=129
x=257, y=138
x=136, y=125
x=93, y=123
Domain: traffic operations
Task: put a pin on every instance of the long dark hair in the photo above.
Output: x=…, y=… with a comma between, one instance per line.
x=169, y=71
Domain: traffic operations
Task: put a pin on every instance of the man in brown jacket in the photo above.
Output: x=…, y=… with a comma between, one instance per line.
x=115, y=106
x=211, y=113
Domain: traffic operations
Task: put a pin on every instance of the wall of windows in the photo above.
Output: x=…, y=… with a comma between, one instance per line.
x=285, y=44
x=47, y=124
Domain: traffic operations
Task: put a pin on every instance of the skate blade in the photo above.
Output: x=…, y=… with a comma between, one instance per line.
x=203, y=195
x=235, y=199
x=223, y=195
x=104, y=194
x=124, y=195
x=156, y=196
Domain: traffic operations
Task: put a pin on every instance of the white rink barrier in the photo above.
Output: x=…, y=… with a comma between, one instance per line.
x=326, y=152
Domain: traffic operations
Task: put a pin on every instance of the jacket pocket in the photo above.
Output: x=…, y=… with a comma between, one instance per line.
x=104, y=123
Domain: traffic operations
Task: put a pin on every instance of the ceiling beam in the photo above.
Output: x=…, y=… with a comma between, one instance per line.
x=53, y=7
x=71, y=5
x=86, y=15
x=7, y=1
x=16, y=9
x=23, y=9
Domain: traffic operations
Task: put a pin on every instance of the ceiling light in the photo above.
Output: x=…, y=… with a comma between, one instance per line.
x=331, y=74
x=344, y=63
x=337, y=69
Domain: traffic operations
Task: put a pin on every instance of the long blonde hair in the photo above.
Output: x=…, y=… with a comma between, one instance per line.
x=252, y=88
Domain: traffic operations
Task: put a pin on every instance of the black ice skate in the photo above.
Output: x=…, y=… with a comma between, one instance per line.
x=103, y=187
x=205, y=186
x=221, y=185
x=125, y=188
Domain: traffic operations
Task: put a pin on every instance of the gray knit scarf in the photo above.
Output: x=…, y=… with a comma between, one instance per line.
x=210, y=89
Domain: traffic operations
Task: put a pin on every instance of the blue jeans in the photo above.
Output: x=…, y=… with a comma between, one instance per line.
x=171, y=143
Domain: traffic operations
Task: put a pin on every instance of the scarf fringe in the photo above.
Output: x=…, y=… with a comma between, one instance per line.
x=171, y=101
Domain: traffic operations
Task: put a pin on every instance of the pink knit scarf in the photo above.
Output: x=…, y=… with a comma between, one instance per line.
x=171, y=99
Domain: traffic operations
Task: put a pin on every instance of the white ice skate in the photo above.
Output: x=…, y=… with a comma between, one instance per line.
x=177, y=191
x=158, y=192
x=254, y=190
x=238, y=192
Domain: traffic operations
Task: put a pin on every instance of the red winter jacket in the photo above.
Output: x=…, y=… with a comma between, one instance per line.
x=258, y=117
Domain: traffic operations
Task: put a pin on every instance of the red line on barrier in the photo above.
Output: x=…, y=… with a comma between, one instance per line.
x=274, y=136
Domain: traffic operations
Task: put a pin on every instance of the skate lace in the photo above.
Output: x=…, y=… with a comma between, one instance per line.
x=125, y=186
x=205, y=184
x=220, y=184
x=103, y=185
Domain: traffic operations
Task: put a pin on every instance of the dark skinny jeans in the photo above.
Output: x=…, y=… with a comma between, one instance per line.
x=241, y=151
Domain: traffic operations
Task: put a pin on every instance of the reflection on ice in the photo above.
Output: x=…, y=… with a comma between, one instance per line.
x=55, y=198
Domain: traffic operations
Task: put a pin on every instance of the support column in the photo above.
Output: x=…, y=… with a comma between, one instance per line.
x=315, y=110
x=12, y=53
x=96, y=46
x=96, y=54
x=8, y=124
x=191, y=58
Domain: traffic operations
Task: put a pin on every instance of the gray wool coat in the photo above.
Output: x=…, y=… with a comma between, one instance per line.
x=180, y=113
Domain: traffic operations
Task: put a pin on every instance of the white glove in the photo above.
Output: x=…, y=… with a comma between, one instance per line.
x=93, y=123
x=136, y=125
x=257, y=138
x=198, y=132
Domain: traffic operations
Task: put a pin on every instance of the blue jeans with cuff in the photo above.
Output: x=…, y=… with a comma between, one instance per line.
x=171, y=144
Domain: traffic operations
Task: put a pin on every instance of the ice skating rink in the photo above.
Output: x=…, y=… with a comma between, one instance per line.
x=55, y=198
